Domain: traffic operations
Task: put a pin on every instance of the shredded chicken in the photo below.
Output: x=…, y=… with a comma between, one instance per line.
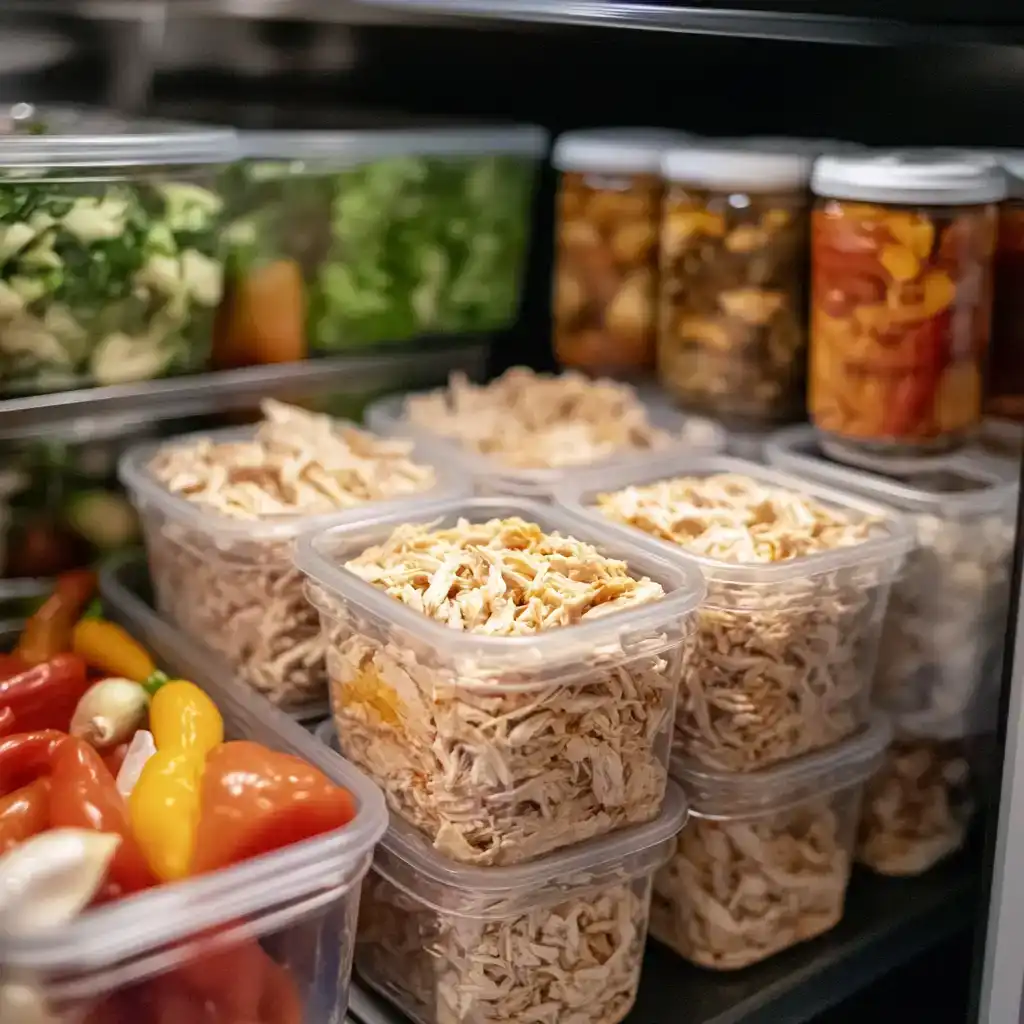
x=739, y=891
x=502, y=758
x=528, y=420
x=576, y=961
x=241, y=597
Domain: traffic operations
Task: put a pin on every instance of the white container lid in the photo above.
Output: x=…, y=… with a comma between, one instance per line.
x=808, y=147
x=926, y=177
x=725, y=796
x=615, y=150
x=69, y=137
x=737, y=166
x=949, y=487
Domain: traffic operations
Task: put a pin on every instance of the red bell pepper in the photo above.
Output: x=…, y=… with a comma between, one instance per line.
x=254, y=800
x=25, y=756
x=85, y=795
x=113, y=759
x=24, y=813
x=11, y=665
x=46, y=695
x=6, y=721
x=48, y=631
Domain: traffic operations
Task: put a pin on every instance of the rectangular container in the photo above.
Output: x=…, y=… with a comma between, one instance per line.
x=945, y=628
x=230, y=584
x=112, y=262
x=353, y=238
x=452, y=944
x=491, y=476
x=290, y=912
x=503, y=748
x=765, y=860
x=785, y=651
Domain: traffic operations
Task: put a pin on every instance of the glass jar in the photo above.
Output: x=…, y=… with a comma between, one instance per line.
x=1005, y=385
x=606, y=248
x=732, y=337
x=901, y=300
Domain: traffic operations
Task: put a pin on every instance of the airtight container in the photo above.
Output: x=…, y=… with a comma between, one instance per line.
x=785, y=651
x=764, y=863
x=901, y=299
x=735, y=242
x=605, y=291
x=110, y=237
x=944, y=634
x=503, y=747
x=345, y=239
x=275, y=935
x=229, y=584
x=1004, y=393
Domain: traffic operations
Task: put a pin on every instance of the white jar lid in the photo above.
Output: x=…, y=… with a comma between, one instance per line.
x=810, y=147
x=736, y=165
x=615, y=150
x=930, y=177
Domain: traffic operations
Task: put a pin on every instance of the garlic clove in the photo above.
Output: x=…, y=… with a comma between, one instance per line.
x=110, y=712
x=140, y=750
x=21, y=1003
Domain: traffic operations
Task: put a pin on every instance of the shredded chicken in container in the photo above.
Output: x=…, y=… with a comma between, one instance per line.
x=781, y=667
x=239, y=594
x=500, y=763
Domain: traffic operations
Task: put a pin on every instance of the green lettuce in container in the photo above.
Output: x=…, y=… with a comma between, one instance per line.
x=346, y=239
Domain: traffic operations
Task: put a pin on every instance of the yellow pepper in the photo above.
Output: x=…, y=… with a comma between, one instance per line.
x=107, y=647
x=182, y=717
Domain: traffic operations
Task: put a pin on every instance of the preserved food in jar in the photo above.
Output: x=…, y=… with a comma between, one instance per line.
x=606, y=261
x=1005, y=393
x=901, y=304
x=734, y=246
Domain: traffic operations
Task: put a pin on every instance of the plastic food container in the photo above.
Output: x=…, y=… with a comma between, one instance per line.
x=735, y=237
x=288, y=914
x=111, y=238
x=1004, y=395
x=343, y=239
x=502, y=748
x=785, y=651
x=764, y=863
x=945, y=627
x=230, y=585
x=606, y=258
x=491, y=475
x=901, y=299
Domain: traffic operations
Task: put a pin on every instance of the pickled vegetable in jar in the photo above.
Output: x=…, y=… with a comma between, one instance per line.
x=732, y=333
x=901, y=300
x=606, y=238
x=1004, y=395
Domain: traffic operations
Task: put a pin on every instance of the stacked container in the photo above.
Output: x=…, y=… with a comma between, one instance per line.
x=1004, y=396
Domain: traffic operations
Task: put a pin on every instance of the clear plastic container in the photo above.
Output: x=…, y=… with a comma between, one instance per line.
x=503, y=748
x=343, y=239
x=1004, y=392
x=765, y=860
x=945, y=627
x=735, y=240
x=901, y=306
x=111, y=244
x=785, y=651
x=283, y=923
x=492, y=476
x=230, y=585
x=606, y=247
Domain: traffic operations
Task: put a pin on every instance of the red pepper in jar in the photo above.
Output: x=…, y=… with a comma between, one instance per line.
x=46, y=695
x=25, y=756
x=6, y=721
x=24, y=813
x=48, y=632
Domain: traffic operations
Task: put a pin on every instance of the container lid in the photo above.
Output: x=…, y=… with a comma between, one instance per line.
x=615, y=150
x=927, y=177
x=950, y=487
x=355, y=146
x=722, y=796
x=739, y=166
x=68, y=137
x=792, y=144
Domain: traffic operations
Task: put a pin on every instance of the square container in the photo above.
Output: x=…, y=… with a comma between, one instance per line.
x=388, y=417
x=785, y=651
x=765, y=860
x=288, y=916
x=110, y=241
x=945, y=628
x=358, y=237
x=503, y=748
x=230, y=585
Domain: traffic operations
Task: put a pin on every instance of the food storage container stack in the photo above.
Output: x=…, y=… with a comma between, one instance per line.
x=940, y=657
x=525, y=433
x=606, y=248
x=901, y=300
x=732, y=331
x=111, y=245
x=510, y=683
x=344, y=239
x=220, y=512
x=1004, y=394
